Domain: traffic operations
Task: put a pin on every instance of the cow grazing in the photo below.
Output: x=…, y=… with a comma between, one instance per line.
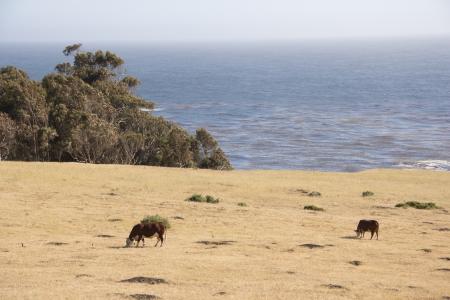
x=141, y=230
x=367, y=225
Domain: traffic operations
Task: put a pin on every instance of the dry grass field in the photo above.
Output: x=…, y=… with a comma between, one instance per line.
x=63, y=228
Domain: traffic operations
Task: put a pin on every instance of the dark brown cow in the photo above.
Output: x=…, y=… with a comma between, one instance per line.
x=139, y=231
x=367, y=225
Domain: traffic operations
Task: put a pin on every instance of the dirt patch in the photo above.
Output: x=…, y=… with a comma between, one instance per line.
x=117, y=247
x=445, y=258
x=426, y=250
x=443, y=269
x=308, y=193
x=105, y=236
x=220, y=294
x=382, y=207
x=350, y=237
x=57, y=243
x=144, y=296
x=355, y=262
x=443, y=229
x=216, y=243
x=82, y=275
x=178, y=218
x=303, y=191
x=312, y=246
x=115, y=220
x=148, y=280
x=334, y=286
x=290, y=272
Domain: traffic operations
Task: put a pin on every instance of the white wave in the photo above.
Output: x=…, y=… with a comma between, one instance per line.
x=151, y=110
x=437, y=165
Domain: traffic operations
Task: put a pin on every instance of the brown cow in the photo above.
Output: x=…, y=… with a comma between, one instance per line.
x=141, y=230
x=367, y=225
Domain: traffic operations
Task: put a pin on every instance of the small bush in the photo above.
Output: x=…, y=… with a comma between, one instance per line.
x=314, y=194
x=367, y=194
x=313, y=207
x=418, y=205
x=201, y=198
x=211, y=199
x=243, y=204
x=196, y=198
x=156, y=219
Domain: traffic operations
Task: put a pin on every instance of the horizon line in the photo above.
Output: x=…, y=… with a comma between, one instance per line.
x=244, y=41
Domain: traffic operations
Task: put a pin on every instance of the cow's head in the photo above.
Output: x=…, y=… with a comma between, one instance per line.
x=129, y=242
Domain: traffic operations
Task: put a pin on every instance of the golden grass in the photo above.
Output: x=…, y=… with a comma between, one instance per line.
x=70, y=203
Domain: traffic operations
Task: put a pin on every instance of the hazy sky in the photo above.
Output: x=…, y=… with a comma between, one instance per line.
x=223, y=20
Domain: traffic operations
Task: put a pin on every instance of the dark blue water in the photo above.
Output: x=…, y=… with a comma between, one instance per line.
x=323, y=106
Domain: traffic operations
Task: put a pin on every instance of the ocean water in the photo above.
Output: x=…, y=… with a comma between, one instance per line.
x=330, y=106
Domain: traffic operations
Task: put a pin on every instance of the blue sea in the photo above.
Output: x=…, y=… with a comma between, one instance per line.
x=311, y=105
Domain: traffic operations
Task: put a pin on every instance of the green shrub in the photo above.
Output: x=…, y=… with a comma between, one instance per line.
x=201, y=198
x=418, y=205
x=155, y=219
x=196, y=198
x=243, y=204
x=313, y=207
x=211, y=199
x=367, y=194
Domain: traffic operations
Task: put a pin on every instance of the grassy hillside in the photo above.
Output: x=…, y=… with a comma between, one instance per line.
x=72, y=220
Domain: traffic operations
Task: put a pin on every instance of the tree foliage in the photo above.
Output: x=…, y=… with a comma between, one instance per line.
x=87, y=112
x=7, y=135
x=210, y=156
x=71, y=48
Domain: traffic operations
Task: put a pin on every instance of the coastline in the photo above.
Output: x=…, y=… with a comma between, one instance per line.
x=73, y=204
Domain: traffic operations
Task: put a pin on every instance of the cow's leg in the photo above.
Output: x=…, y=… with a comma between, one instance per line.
x=371, y=234
x=157, y=241
x=138, y=240
x=161, y=237
x=377, y=233
x=143, y=242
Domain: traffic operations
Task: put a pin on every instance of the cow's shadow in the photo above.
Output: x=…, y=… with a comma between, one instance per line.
x=350, y=237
